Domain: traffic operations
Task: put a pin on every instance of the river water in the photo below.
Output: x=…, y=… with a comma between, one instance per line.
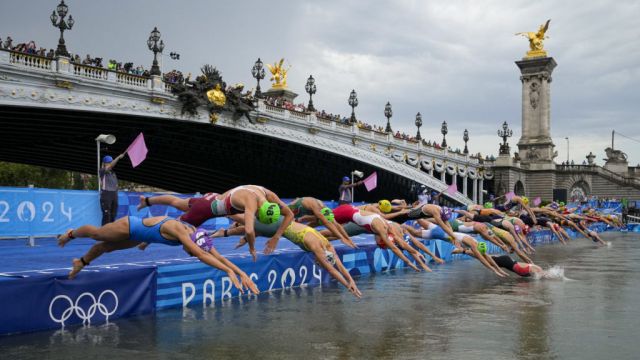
x=460, y=311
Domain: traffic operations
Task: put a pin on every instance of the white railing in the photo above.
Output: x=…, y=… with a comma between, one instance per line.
x=167, y=87
x=132, y=80
x=298, y=115
x=380, y=136
x=29, y=61
x=344, y=127
x=324, y=121
x=91, y=72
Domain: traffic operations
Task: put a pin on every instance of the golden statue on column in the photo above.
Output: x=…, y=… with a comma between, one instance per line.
x=279, y=74
x=536, y=41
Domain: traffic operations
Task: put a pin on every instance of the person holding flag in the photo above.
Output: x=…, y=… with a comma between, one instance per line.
x=109, y=188
x=137, y=152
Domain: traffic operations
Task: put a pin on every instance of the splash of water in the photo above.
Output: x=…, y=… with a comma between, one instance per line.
x=553, y=273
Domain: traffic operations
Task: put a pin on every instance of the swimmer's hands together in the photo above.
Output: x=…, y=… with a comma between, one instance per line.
x=249, y=284
x=354, y=289
x=143, y=246
x=349, y=243
x=234, y=279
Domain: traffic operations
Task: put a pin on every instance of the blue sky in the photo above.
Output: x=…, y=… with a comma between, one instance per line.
x=448, y=60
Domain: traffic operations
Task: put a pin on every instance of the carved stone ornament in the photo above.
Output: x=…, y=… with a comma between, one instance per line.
x=534, y=94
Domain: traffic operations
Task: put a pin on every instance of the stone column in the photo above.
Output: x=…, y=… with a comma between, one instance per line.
x=535, y=146
x=480, y=188
x=444, y=171
x=474, y=198
x=464, y=185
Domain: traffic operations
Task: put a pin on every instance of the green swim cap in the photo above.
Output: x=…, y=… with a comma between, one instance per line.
x=488, y=205
x=561, y=203
x=327, y=213
x=482, y=248
x=269, y=213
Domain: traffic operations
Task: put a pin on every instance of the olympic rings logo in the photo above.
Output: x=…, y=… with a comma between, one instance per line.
x=84, y=315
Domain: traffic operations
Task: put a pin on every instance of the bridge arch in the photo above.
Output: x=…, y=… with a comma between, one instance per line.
x=518, y=188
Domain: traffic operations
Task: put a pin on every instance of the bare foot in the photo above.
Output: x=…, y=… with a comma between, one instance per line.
x=76, y=268
x=63, y=239
x=143, y=203
x=143, y=246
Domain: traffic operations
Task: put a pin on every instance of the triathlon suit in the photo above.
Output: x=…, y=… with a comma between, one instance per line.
x=529, y=221
x=140, y=232
x=346, y=213
x=434, y=232
x=502, y=234
x=299, y=210
x=484, y=218
x=199, y=210
x=413, y=214
x=505, y=261
x=507, y=206
x=224, y=207
x=353, y=229
x=459, y=226
x=296, y=237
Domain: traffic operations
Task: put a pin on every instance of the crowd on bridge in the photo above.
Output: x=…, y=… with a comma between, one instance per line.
x=309, y=223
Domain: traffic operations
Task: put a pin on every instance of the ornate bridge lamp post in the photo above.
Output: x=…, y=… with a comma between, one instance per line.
x=156, y=47
x=388, y=113
x=258, y=73
x=353, y=102
x=418, y=124
x=465, y=137
x=504, y=134
x=63, y=25
x=310, y=88
x=444, y=130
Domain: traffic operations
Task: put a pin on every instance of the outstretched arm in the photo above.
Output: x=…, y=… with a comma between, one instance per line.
x=288, y=218
x=112, y=164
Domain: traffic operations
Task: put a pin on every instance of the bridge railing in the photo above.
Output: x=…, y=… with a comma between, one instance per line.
x=608, y=174
x=64, y=66
x=369, y=138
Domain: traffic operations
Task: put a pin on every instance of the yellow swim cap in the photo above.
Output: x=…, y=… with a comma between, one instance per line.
x=384, y=206
x=525, y=200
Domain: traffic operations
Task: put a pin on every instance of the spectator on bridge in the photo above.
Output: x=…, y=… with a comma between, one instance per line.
x=8, y=43
x=109, y=189
x=346, y=196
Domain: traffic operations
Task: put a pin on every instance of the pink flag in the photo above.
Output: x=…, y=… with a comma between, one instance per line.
x=452, y=189
x=537, y=201
x=509, y=195
x=371, y=181
x=137, y=151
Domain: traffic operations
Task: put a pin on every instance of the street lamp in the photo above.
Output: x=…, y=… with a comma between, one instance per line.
x=107, y=139
x=418, y=124
x=444, y=130
x=174, y=56
x=62, y=10
x=388, y=113
x=310, y=88
x=258, y=73
x=353, y=102
x=504, y=134
x=566, y=138
x=156, y=47
x=465, y=137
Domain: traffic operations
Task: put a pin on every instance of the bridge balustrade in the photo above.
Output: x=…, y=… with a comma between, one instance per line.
x=30, y=61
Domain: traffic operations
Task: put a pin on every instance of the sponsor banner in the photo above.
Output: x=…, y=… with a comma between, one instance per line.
x=45, y=302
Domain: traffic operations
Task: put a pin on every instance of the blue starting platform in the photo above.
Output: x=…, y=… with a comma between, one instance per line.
x=35, y=293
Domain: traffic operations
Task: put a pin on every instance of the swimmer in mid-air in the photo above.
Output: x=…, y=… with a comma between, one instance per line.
x=309, y=240
x=129, y=231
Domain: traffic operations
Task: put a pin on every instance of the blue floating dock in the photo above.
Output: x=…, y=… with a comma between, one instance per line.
x=35, y=293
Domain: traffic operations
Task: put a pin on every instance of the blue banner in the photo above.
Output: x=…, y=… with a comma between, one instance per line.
x=34, y=212
x=47, y=302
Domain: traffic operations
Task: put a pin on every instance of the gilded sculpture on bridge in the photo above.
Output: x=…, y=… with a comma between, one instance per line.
x=211, y=91
x=536, y=41
x=279, y=74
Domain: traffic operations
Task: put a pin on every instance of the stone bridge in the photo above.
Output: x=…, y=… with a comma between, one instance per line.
x=51, y=110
